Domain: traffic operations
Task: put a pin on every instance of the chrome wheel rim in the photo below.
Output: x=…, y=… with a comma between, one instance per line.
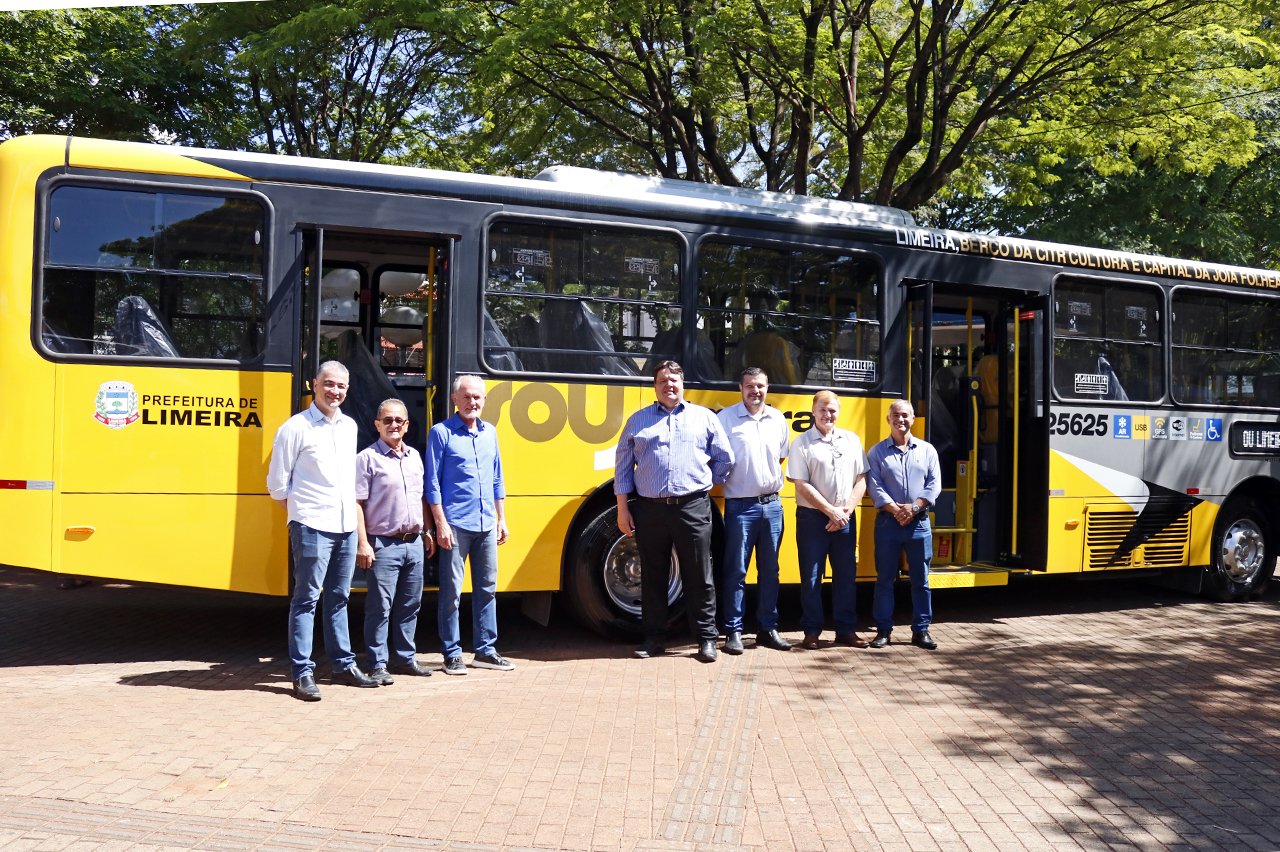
x=622, y=575
x=1243, y=551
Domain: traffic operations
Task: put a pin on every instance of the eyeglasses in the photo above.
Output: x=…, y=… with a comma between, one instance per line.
x=394, y=421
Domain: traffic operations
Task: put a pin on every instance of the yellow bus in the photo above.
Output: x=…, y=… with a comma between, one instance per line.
x=162, y=309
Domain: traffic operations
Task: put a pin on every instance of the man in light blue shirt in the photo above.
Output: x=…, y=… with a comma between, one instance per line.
x=671, y=453
x=904, y=480
x=465, y=492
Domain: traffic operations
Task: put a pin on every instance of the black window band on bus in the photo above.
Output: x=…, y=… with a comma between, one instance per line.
x=1226, y=348
x=805, y=316
x=132, y=273
x=581, y=300
x=1108, y=341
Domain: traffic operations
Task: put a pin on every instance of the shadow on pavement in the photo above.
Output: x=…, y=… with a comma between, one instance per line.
x=1182, y=727
x=218, y=678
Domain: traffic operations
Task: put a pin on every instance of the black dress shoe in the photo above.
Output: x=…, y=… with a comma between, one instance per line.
x=733, y=643
x=650, y=648
x=707, y=651
x=882, y=639
x=924, y=640
x=354, y=677
x=305, y=689
x=772, y=639
x=410, y=669
x=381, y=676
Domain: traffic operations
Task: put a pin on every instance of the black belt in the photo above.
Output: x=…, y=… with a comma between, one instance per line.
x=763, y=498
x=409, y=537
x=673, y=501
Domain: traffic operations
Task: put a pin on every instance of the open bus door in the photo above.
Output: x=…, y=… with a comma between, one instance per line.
x=375, y=303
x=976, y=373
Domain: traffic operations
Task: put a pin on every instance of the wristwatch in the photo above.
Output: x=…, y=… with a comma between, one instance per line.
x=916, y=508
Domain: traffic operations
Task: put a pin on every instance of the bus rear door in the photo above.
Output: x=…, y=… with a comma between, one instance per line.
x=977, y=382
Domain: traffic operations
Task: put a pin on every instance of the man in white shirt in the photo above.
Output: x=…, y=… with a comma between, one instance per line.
x=829, y=470
x=313, y=477
x=758, y=435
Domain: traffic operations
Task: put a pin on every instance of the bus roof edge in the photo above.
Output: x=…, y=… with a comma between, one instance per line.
x=779, y=203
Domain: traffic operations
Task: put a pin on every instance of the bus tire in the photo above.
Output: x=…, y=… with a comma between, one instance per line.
x=1244, y=551
x=603, y=582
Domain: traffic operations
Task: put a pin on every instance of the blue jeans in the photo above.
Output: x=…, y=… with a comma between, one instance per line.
x=892, y=539
x=816, y=546
x=749, y=524
x=394, y=598
x=482, y=548
x=323, y=563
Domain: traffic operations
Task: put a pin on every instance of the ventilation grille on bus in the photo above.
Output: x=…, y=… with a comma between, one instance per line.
x=1106, y=530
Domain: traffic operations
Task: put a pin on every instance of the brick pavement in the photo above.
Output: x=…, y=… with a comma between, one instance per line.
x=1055, y=716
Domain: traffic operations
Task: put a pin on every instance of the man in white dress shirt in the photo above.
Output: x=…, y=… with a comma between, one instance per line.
x=758, y=434
x=313, y=477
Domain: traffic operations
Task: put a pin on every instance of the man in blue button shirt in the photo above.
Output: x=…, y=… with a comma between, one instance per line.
x=671, y=453
x=465, y=492
x=904, y=479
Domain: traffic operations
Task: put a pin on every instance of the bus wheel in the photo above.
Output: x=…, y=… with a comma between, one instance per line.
x=1244, y=552
x=604, y=580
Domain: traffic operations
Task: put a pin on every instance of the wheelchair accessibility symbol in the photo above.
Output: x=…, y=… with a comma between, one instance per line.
x=1213, y=428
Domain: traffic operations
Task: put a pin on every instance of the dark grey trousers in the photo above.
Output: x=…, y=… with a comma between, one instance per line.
x=687, y=528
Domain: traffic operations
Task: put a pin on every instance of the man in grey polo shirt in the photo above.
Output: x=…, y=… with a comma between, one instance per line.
x=393, y=544
x=758, y=435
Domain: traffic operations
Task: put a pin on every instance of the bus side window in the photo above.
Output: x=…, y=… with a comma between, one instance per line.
x=1225, y=349
x=153, y=274
x=1107, y=341
x=578, y=301
x=804, y=317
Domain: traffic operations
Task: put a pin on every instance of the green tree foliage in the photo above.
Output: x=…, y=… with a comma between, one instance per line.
x=1231, y=215
x=363, y=80
x=888, y=101
x=110, y=73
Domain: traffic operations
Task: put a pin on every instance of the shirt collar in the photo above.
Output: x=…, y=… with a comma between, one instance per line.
x=837, y=432
x=911, y=442
x=662, y=409
x=460, y=426
x=315, y=415
x=381, y=447
x=745, y=414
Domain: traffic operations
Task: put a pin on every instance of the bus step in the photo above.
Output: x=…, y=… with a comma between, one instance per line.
x=967, y=576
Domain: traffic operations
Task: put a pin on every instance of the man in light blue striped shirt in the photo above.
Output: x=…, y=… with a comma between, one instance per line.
x=671, y=453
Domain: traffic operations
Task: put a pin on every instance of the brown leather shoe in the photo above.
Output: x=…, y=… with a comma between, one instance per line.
x=851, y=639
x=810, y=642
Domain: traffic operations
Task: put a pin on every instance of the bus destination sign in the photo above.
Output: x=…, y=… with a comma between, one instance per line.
x=1085, y=258
x=1255, y=439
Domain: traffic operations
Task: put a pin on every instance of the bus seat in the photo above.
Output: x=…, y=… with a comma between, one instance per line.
x=1115, y=391
x=368, y=385
x=944, y=433
x=771, y=352
x=669, y=345
x=56, y=341
x=503, y=359
x=526, y=335
x=1266, y=390
x=140, y=330
x=573, y=325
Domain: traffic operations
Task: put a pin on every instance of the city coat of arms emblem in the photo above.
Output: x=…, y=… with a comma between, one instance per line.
x=116, y=404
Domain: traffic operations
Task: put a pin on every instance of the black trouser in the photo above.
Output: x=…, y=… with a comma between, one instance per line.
x=687, y=528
